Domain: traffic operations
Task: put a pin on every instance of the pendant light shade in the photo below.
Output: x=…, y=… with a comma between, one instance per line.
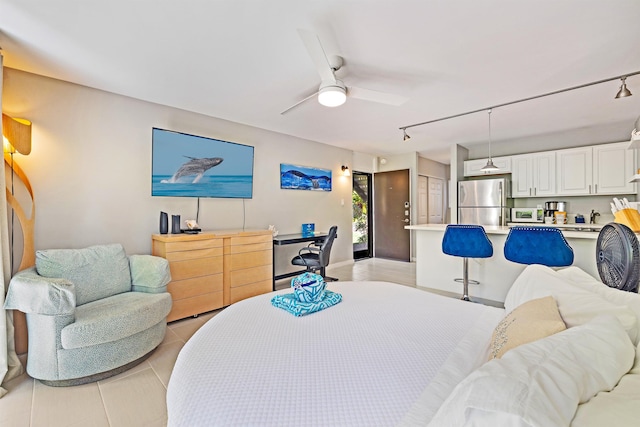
x=623, y=92
x=489, y=167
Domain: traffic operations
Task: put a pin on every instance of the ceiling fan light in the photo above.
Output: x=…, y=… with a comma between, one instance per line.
x=332, y=96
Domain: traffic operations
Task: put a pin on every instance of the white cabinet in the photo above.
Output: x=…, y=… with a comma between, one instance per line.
x=613, y=164
x=473, y=167
x=574, y=171
x=602, y=169
x=533, y=175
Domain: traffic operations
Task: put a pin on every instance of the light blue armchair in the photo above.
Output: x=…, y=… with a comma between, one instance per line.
x=91, y=313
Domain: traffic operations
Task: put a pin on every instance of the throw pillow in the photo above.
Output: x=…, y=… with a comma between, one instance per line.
x=535, y=319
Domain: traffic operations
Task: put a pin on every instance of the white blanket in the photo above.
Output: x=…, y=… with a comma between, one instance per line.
x=368, y=361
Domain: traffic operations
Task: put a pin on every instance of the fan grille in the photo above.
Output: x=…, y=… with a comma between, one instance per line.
x=618, y=257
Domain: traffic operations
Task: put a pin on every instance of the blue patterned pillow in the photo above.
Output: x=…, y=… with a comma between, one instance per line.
x=97, y=271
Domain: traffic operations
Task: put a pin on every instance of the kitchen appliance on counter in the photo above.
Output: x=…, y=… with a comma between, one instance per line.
x=527, y=214
x=550, y=208
x=484, y=201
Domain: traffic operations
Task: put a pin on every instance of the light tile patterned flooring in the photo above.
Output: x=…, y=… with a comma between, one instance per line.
x=137, y=397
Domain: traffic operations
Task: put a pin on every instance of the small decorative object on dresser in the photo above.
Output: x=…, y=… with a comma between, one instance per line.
x=164, y=223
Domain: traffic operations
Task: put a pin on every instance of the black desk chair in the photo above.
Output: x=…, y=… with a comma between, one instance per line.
x=315, y=257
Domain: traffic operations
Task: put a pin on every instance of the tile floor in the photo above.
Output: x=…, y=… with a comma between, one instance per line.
x=137, y=397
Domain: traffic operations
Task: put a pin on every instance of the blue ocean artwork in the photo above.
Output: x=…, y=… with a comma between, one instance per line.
x=186, y=165
x=232, y=186
x=304, y=178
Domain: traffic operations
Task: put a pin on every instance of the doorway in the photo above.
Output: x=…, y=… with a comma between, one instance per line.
x=430, y=200
x=362, y=219
x=391, y=210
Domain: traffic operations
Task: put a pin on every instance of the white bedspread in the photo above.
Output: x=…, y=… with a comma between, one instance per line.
x=368, y=361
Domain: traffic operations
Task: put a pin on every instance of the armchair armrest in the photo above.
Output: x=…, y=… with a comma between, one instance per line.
x=309, y=249
x=149, y=274
x=34, y=294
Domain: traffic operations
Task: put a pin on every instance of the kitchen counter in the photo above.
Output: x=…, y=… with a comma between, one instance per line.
x=568, y=230
x=436, y=270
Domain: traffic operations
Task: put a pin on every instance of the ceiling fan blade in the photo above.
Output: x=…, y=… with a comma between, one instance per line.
x=375, y=96
x=317, y=54
x=298, y=103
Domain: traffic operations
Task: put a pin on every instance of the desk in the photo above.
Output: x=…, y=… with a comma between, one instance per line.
x=290, y=239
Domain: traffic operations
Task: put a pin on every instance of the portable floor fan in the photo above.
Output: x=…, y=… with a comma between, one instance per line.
x=618, y=257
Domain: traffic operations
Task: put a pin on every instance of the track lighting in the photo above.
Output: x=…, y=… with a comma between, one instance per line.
x=406, y=136
x=623, y=92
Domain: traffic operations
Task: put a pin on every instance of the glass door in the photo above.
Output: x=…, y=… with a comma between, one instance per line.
x=362, y=224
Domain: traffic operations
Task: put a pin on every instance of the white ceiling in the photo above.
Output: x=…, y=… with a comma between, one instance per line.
x=244, y=61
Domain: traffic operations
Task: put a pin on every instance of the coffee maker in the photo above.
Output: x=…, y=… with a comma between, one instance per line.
x=550, y=208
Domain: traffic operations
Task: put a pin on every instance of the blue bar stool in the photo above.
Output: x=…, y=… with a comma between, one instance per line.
x=466, y=241
x=538, y=245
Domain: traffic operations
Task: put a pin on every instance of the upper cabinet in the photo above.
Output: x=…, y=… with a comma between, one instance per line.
x=574, y=171
x=600, y=169
x=473, y=167
x=613, y=164
x=533, y=175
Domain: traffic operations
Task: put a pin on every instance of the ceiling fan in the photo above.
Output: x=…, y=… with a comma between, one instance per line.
x=332, y=91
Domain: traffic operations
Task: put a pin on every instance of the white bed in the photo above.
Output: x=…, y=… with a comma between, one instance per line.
x=386, y=355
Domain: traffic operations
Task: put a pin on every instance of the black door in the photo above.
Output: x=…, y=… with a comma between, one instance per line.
x=362, y=224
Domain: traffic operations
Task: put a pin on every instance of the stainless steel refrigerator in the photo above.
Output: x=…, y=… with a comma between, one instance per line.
x=484, y=201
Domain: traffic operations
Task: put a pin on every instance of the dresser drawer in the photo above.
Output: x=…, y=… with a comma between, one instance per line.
x=250, y=259
x=195, y=268
x=251, y=275
x=247, y=240
x=187, y=288
x=195, y=254
x=251, y=247
x=192, y=245
x=190, y=306
x=251, y=290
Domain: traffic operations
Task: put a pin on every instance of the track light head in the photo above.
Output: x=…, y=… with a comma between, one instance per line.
x=406, y=136
x=623, y=92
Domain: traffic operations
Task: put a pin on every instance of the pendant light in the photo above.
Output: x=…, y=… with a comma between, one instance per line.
x=489, y=167
x=623, y=92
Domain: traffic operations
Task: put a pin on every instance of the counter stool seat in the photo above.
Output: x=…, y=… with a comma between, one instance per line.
x=466, y=241
x=538, y=245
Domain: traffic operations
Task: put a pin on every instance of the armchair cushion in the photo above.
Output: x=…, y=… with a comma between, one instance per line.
x=30, y=293
x=110, y=319
x=97, y=271
x=149, y=273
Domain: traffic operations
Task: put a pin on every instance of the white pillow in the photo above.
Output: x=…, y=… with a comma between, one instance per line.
x=541, y=383
x=582, y=279
x=576, y=304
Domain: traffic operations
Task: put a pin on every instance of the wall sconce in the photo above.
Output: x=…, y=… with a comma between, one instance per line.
x=345, y=171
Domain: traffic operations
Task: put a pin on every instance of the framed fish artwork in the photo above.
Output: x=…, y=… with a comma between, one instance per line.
x=304, y=178
x=185, y=165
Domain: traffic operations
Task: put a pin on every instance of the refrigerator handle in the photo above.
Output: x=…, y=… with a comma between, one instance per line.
x=500, y=191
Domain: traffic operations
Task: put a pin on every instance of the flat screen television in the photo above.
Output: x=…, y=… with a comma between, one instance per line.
x=186, y=165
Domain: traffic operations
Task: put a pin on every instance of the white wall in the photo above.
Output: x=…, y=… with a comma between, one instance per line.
x=90, y=169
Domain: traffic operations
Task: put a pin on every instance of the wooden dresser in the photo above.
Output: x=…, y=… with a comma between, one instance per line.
x=213, y=269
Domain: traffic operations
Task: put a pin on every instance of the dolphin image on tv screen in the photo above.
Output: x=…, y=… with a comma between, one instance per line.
x=195, y=167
